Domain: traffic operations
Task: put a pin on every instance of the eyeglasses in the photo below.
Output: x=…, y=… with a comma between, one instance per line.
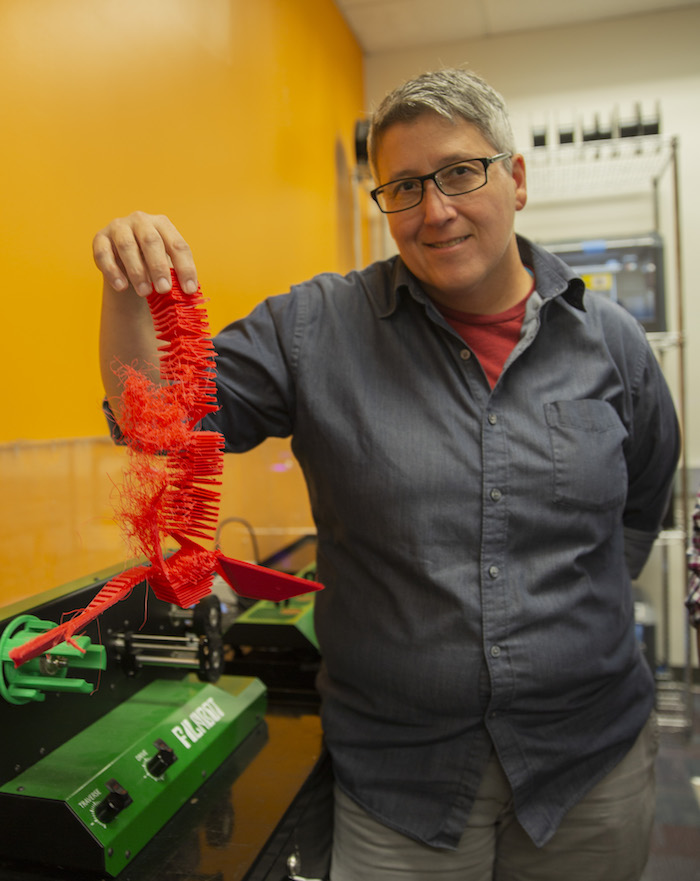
x=455, y=179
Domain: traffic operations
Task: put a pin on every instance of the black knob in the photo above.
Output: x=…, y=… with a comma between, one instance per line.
x=116, y=800
x=158, y=764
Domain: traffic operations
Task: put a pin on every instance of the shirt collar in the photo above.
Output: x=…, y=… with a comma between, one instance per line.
x=402, y=283
x=553, y=278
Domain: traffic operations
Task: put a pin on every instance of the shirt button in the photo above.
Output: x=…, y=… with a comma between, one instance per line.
x=495, y=651
x=492, y=418
x=494, y=571
x=496, y=494
x=465, y=354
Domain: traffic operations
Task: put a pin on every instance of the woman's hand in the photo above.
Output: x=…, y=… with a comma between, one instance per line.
x=134, y=255
x=137, y=251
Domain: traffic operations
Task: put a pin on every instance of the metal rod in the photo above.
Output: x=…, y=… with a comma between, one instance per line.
x=156, y=660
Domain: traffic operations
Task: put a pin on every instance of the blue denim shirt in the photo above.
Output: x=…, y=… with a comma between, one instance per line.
x=476, y=544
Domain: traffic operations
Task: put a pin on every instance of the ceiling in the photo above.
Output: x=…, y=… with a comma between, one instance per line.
x=385, y=25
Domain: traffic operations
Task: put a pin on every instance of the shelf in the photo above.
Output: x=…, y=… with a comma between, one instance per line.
x=596, y=169
x=665, y=339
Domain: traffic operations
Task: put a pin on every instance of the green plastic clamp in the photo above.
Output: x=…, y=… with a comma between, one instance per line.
x=49, y=672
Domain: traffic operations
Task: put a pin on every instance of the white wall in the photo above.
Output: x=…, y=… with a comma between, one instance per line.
x=550, y=74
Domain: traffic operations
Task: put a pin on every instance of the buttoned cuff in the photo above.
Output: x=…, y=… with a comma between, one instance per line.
x=114, y=429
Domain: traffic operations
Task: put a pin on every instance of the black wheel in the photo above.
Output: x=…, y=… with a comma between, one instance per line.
x=207, y=615
x=211, y=657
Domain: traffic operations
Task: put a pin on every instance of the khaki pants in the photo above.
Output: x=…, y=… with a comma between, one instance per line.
x=605, y=837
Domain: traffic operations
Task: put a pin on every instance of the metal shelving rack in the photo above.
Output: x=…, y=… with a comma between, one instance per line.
x=604, y=171
x=599, y=169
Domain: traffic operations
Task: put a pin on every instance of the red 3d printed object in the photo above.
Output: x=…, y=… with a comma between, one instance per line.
x=171, y=484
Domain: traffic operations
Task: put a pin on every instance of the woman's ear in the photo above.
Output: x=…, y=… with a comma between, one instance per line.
x=520, y=179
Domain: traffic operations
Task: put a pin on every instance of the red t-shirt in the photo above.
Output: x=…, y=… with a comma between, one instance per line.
x=490, y=337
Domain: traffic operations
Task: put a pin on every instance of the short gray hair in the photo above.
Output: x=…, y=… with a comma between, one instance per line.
x=451, y=93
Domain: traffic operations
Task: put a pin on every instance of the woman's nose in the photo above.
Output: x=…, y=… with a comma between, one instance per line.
x=437, y=207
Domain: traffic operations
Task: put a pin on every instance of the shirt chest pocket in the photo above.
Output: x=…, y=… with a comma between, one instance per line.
x=588, y=460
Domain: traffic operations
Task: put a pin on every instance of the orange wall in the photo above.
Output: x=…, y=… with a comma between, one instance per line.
x=235, y=118
x=227, y=115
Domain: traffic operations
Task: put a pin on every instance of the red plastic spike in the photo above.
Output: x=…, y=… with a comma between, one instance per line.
x=111, y=593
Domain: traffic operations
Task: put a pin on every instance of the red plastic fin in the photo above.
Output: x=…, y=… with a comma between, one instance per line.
x=260, y=583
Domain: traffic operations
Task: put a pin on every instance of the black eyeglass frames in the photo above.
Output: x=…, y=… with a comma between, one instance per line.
x=454, y=179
